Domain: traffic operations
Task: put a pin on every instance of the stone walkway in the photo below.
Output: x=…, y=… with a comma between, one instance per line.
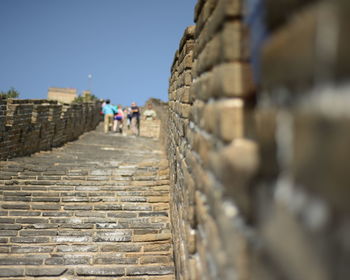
x=97, y=208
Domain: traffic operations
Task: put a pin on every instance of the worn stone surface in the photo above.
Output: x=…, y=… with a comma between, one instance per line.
x=97, y=207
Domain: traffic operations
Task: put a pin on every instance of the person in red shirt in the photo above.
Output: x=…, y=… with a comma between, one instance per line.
x=118, y=120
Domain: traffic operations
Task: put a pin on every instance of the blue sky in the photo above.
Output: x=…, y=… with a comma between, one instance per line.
x=127, y=45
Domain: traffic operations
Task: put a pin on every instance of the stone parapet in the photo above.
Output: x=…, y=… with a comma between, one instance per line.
x=150, y=128
x=259, y=187
x=29, y=126
x=211, y=96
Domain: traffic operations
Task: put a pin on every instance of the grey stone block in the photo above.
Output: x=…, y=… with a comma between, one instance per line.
x=45, y=199
x=20, y=261
x=30, y=220
x=8, y=232
x=17, y=198
x=77, y=248
x=43, y=272
x=55, y=261
x=11, y=272
x=46, y=207
x=29, y=239
x=15, y=206
x=9, y=227
x=149, y=270
x=107, y=207
x=38, y=232
x=99, y=271
x=24, y=213
x=72, y=239
x=112, y=236
x=133, y=207
x=153, y=214
x=31, y=249
x=77, y=207
x=7, y=221
x=121, y=248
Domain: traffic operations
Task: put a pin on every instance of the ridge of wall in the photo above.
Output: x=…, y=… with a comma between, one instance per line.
x=28, y=126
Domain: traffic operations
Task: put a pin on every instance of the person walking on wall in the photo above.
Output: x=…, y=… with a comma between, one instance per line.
x=118, y=120
x=149, y=113
x=135, y=118
x=129, y=115
x=108, y=110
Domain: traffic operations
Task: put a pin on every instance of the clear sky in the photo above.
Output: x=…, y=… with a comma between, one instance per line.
x=126, y=45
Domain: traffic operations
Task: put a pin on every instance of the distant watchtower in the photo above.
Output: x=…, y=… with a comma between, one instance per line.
x=64, y=95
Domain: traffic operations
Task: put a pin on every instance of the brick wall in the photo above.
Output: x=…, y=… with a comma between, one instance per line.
x=258, y=172
x=29, y=126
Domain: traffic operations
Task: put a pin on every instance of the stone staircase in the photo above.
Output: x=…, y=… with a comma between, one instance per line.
x=97, y=208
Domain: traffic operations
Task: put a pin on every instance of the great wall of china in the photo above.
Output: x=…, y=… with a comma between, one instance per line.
x=250, y=181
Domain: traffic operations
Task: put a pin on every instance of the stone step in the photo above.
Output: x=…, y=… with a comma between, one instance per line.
x=88, y=271
x=87, y=211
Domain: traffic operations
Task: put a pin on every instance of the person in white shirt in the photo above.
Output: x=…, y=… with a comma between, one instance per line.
x=149, y=113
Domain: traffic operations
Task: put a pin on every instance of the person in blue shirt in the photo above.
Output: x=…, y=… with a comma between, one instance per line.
x=108, y=110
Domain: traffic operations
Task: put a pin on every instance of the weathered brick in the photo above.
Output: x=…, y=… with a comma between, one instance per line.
x=155, y=259
x=8, y=232
x=60, y=239
x=157, y=247
x=30, y=220
x=20, y=261
x=118, y=236
x=149, y=270
x=114, y=259
x=38, y=233
x=77, y=207
x=29, y=239
x=226, y=80
x=10, y=227
x=7, y=221
x=121, y=248
x=31, y=249
x=11, y=272
x=99, y=271
x=152, y=237
x=45, y=272
x=77, y=248
x=45, y=199
x=24, y=213
x=15, y=206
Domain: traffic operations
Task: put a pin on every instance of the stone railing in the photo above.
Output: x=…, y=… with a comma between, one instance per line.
x=150, y=128
x=161, y=109
x=258, y=177
x=29, y=126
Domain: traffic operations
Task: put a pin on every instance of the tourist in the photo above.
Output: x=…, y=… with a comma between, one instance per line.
x=118, y=120
x=108, y=110
x=149, y=113
x=135, y=118
x=129, y=115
